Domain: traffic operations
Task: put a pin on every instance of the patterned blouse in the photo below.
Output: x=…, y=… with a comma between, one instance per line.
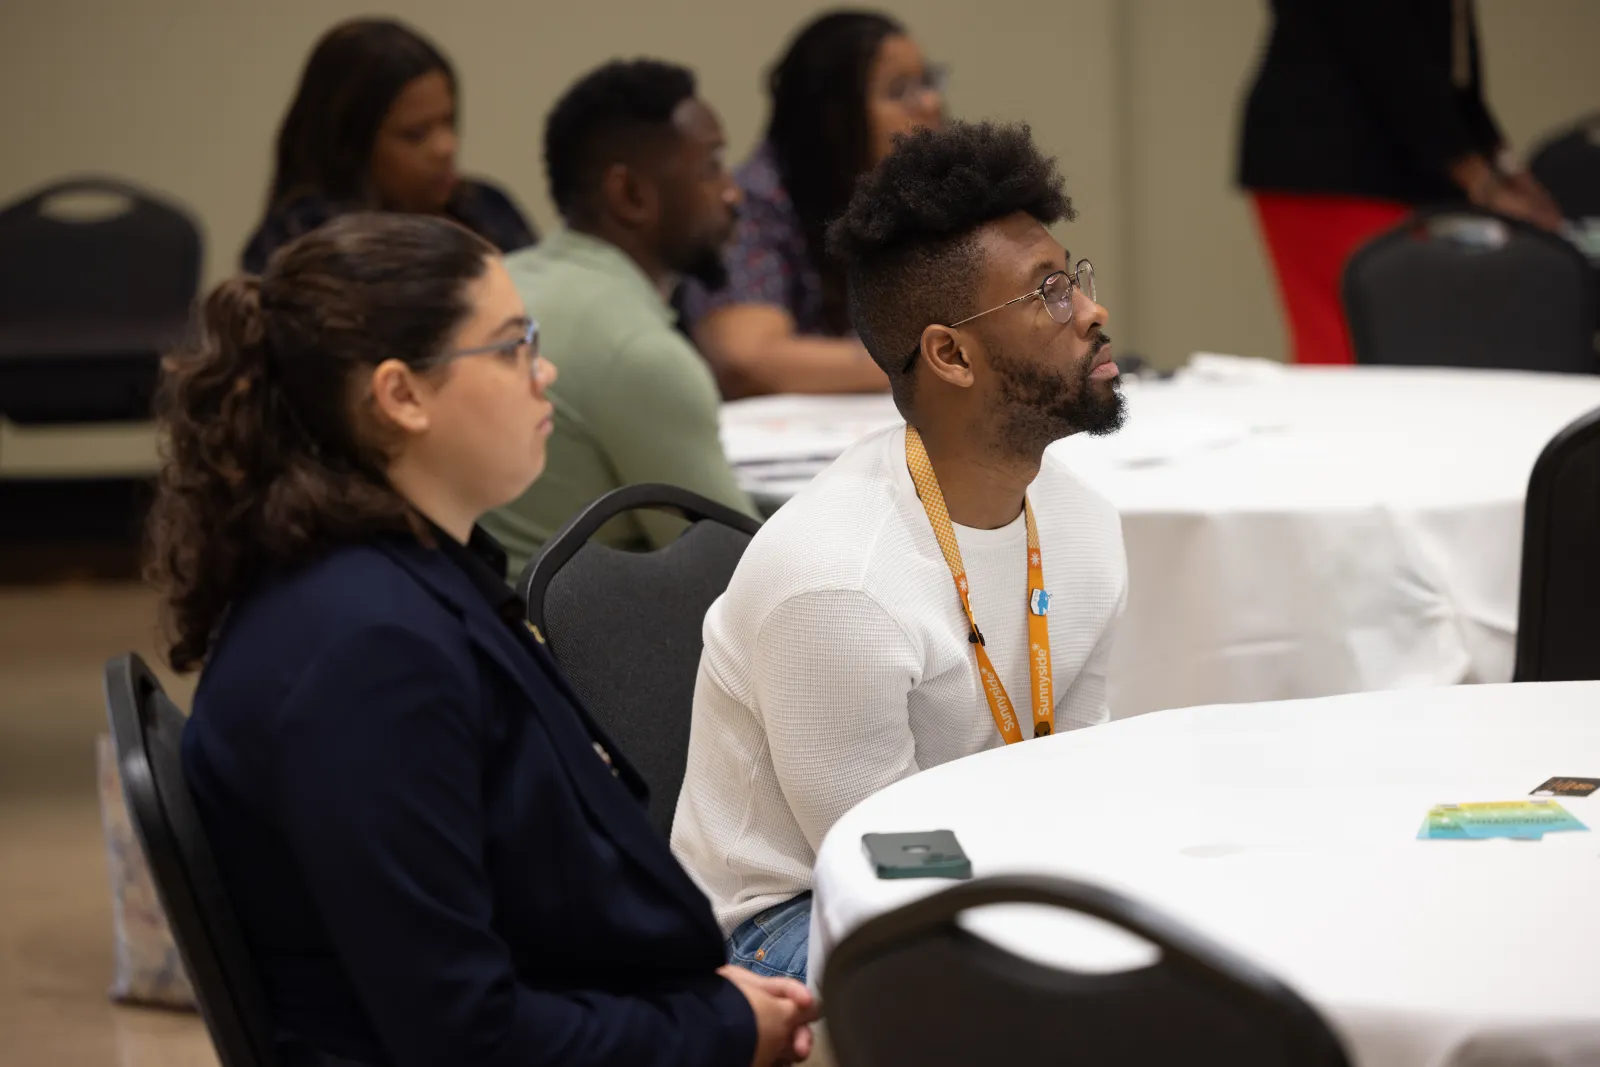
x=480, y=207
x=768, y=262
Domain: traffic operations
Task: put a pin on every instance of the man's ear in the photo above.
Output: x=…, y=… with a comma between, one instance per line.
x=945, y=352
x=630, y=196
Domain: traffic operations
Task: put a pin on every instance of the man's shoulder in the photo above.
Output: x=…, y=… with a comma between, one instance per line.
x=587, y=315
x=844, y=532
x=647, y=360
x=554, y=283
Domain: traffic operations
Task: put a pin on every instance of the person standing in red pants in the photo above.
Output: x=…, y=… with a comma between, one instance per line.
x=1361, y=111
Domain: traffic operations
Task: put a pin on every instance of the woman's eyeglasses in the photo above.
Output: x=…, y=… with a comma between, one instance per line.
x=1056, y=292
x=935, y=76
x=508, y=349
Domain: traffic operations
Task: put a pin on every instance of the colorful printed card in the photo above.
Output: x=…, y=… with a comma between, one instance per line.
x=1526, y=820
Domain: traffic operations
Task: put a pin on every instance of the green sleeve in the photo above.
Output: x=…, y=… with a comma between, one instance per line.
x=672, y=437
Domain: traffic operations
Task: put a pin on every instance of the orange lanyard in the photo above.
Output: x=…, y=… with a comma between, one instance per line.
x=1038, y=606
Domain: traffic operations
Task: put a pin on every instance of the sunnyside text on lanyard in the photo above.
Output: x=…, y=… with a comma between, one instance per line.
x=1038, y=606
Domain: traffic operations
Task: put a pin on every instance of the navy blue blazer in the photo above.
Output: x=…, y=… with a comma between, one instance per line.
x=431, y=861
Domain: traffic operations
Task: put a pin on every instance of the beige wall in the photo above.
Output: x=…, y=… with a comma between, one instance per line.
x=1137, y=97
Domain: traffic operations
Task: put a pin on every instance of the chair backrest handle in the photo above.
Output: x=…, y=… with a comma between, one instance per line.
x=577, y=531
x=88, y=184
x=1179, y=945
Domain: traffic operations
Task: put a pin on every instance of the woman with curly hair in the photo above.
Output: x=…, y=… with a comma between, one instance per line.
x=436, y=856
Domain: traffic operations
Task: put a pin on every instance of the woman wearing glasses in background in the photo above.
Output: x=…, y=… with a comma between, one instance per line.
x=848, y=84
x=434, y=854
x=373, y=127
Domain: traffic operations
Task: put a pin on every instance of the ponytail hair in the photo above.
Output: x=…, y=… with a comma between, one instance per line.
x=270, y=454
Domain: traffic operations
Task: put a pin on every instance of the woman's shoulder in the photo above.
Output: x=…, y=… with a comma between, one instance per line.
x=285, y=219
x=491, y=212
x=346, y=591
x=486, y=192
x=760, y=179
x=306, y=207
x=357, y=604
x=342, y=649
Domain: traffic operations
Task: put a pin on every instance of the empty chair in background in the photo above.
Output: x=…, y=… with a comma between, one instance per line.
x=1464, y=288
x=847, y=85
x=1558, y=618
x=96, y=279
x=373, y=126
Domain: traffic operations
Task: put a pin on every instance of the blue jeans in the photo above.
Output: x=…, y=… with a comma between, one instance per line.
x=776, y=942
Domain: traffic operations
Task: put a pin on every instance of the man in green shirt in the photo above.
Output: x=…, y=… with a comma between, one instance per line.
x=635, y=165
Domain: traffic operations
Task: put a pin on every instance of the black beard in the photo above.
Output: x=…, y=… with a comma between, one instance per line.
x=1039, y=407
x=707, y=267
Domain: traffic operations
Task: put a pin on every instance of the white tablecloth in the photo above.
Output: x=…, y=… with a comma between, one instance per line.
x=1287, y=832
x=1291, y=532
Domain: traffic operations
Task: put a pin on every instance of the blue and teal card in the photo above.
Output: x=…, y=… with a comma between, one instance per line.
x=1522, y=820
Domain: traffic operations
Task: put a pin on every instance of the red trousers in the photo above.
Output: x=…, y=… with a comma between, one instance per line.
x=1309, y=237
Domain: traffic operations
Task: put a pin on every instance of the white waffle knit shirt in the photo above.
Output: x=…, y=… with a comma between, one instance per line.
x=837, y=662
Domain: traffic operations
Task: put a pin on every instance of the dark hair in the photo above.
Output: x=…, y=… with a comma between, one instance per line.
x=349, y=83
x=602, y=118
x=907, y=237
x=819, y=131
x=269, y=457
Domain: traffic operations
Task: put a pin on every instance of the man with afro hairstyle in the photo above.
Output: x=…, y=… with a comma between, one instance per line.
x=945, y=587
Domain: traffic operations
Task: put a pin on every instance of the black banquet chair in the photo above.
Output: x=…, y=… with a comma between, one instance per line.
x=913, y=986
x=1465, y=288
x=90, y=299
x=1558, y=616
x=625, y=627
x=146, y=728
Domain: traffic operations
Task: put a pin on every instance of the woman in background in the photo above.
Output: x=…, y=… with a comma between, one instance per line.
x=373, y=127
x=433, y=852
x=847, y=85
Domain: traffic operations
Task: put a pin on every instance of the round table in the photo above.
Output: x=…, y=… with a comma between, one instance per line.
x=1287, y=832
x=1291, y=531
